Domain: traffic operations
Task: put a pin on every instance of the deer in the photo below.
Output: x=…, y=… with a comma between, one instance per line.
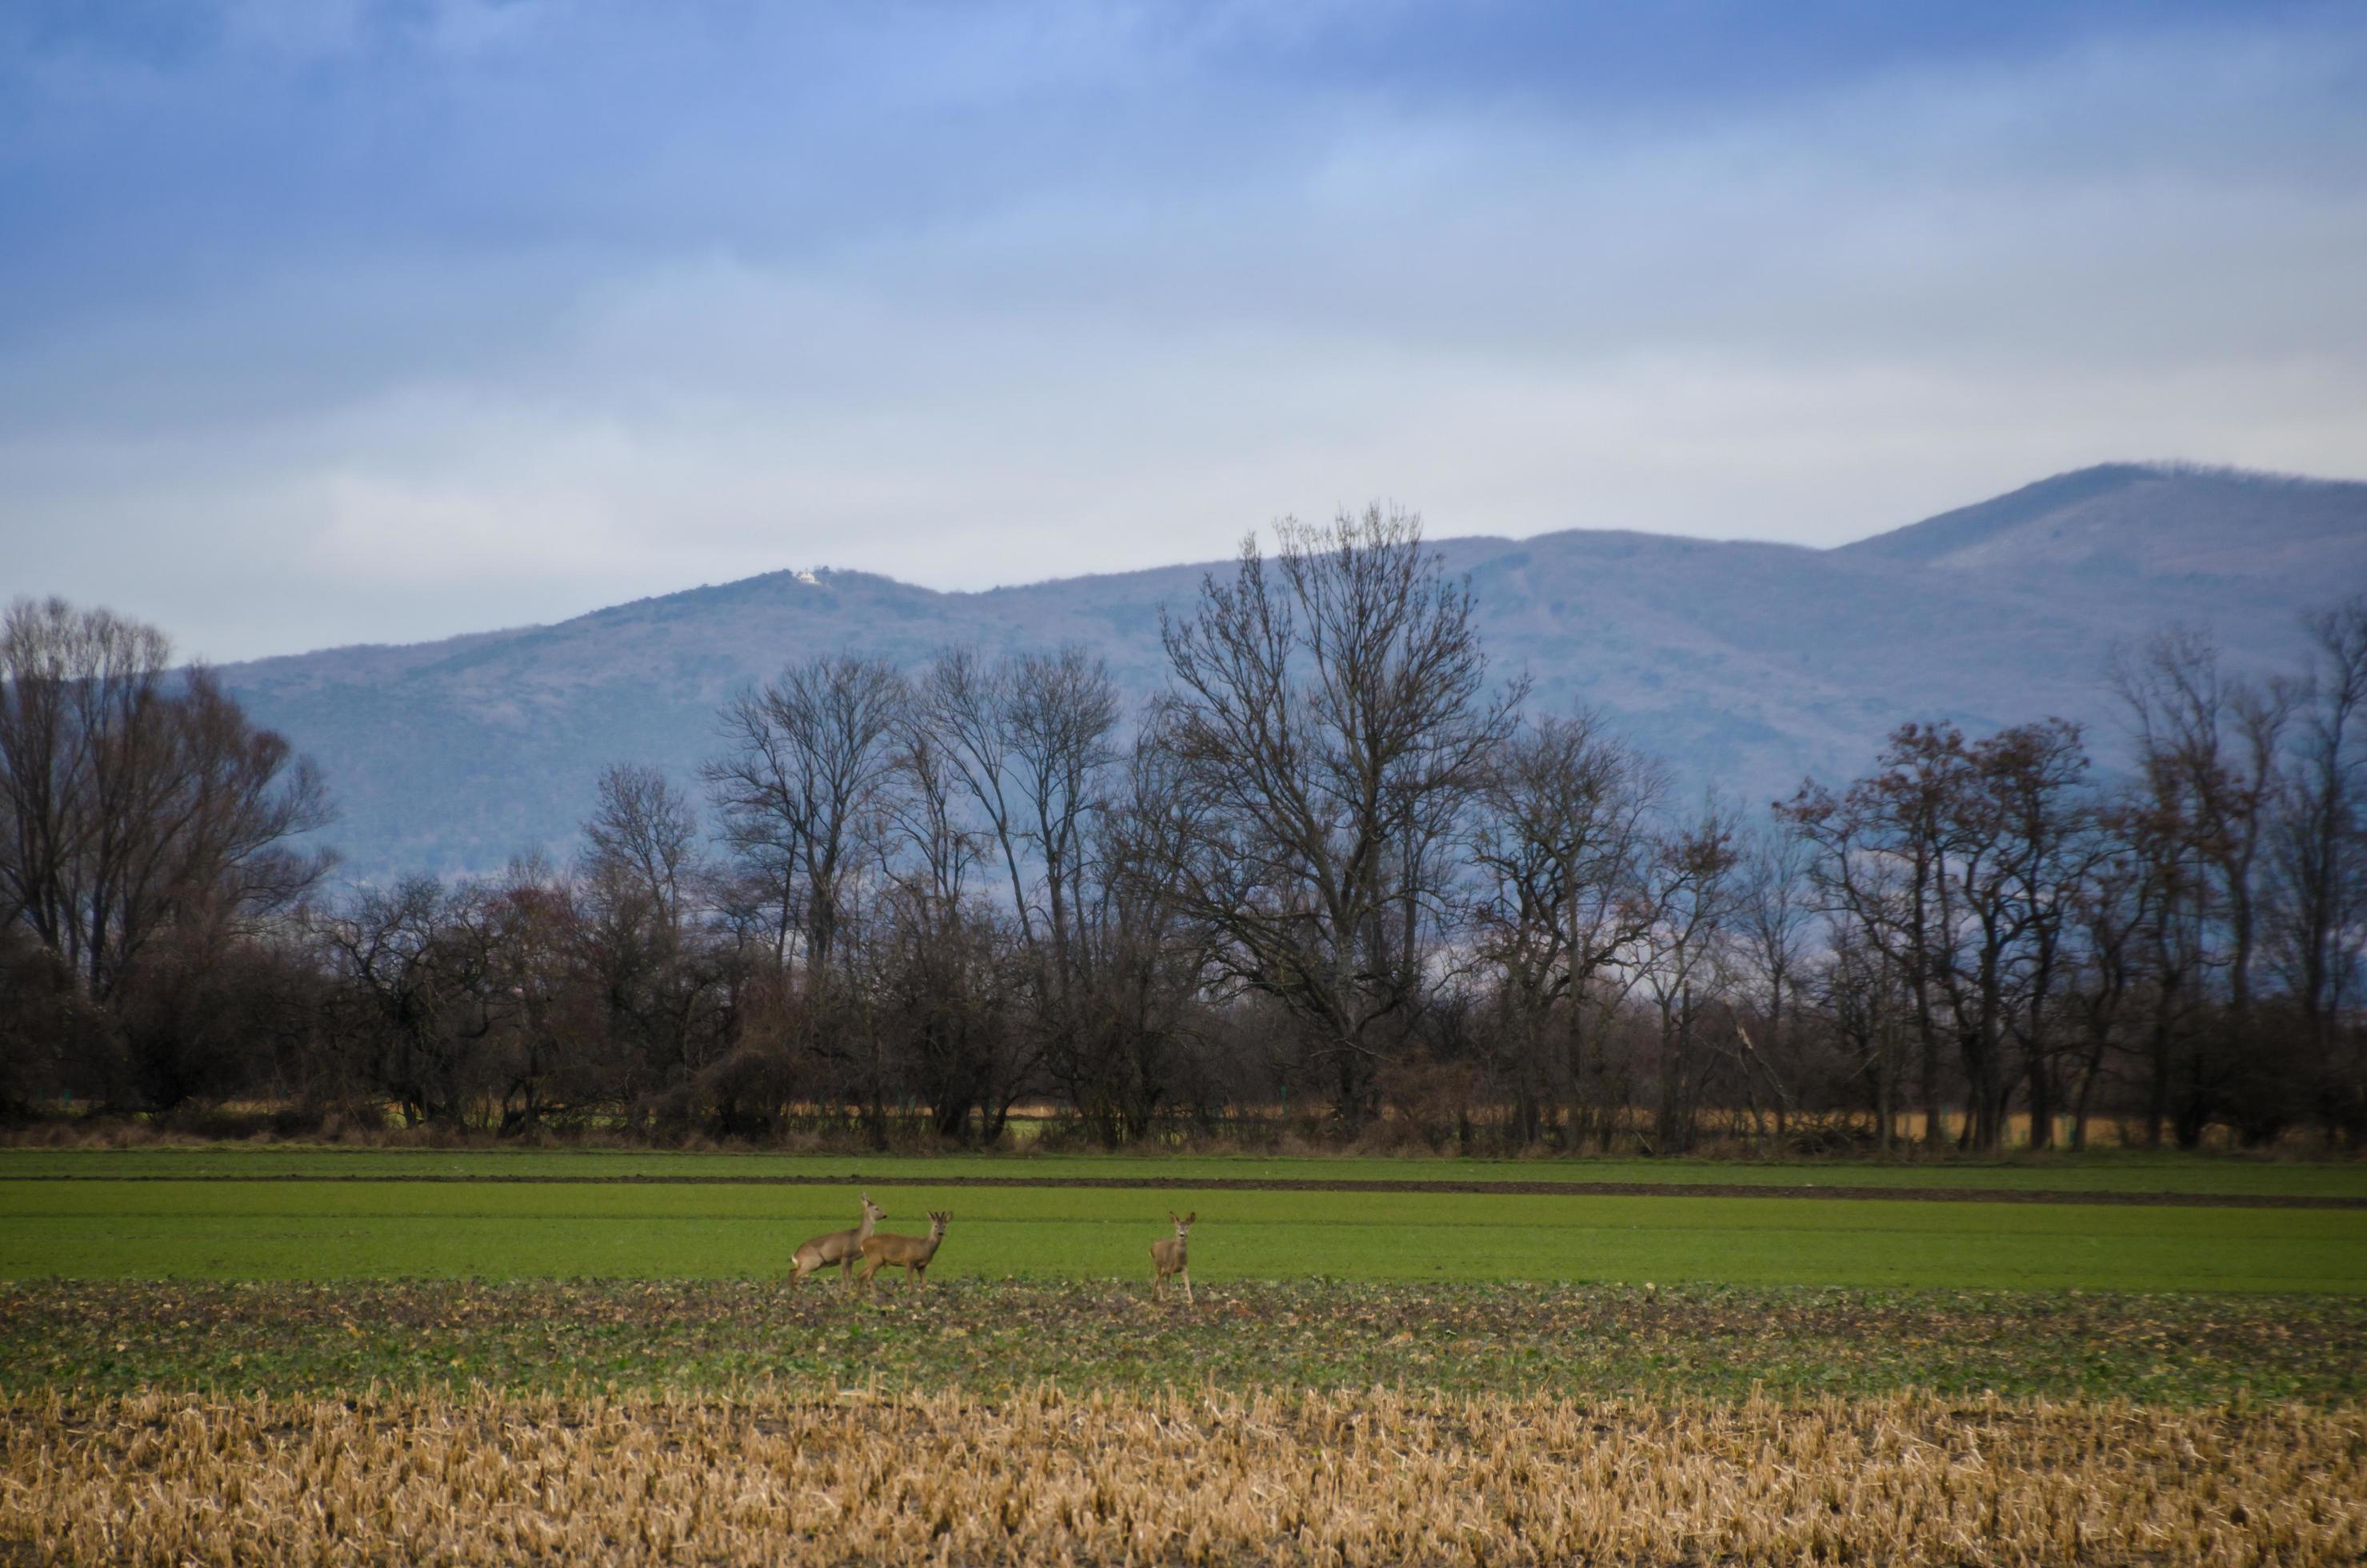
x=841, y=1247
x=1168, y=1257
x=908, y=1253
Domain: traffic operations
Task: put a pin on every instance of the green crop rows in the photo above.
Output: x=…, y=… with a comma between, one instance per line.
x=292, y=1230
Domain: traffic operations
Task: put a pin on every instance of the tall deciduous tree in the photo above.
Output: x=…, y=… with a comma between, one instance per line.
x=130, y=798
x=143, y=821
x=2317, y=856
x=1881, y=867
x=1331, y=713
x=797, y=786
x=1561, y=844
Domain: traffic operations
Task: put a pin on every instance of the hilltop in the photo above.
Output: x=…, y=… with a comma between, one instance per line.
x=1745, y=665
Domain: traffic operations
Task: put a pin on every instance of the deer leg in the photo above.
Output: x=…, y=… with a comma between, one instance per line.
x=1187, y=1286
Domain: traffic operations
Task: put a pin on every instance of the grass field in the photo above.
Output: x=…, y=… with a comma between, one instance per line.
x=332, y=1230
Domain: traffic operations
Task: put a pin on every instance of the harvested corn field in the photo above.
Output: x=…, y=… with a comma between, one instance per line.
x=1038, y=1475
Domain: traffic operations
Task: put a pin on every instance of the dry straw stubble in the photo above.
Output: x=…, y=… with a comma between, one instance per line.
x=1351, y=1479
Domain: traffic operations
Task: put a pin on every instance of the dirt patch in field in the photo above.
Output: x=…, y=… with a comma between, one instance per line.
x=1303, y=1184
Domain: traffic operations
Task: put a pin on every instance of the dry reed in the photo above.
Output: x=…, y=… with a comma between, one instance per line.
x=766, y=1476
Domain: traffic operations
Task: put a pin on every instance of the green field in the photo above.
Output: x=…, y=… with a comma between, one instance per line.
x=2110, y=1172
x=280, y=1270
x=328, y=1230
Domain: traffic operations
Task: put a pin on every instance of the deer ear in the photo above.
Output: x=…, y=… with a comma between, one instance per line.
x=1191, y=1216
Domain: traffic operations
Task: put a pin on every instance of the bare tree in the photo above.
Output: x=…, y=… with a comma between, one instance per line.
x=643, y=884
x=1031, y=741
x=644, y=835
x=2117, y=914
x=966, y=704
x=938, y=961
x=134, y=800
x=2208, y=744
x=1561, y=844
x=421, y=978
x=1880, y=864
x=1144, y=957
x=1775, y=948
x=1959, y=862
x=1330, y=714
x=1694, y=894
x=1063, y=713
x=2022, y=851
x=809, y=755
x=1861, y=992
x=146, y=825
x=2318, y=855
x=552, y=1055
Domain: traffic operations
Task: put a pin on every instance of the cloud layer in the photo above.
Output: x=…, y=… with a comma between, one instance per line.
x=328, y=323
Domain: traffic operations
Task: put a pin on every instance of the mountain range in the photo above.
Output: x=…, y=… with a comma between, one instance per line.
x=1745, y=666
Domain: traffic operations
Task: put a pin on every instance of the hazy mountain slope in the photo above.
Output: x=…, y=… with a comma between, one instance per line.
x=1745, y=665
x=2153, y=523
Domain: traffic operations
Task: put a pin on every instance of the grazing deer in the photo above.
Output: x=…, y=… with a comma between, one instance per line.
x=909, y=1253
x=841, y=1247
x=1168, y=1257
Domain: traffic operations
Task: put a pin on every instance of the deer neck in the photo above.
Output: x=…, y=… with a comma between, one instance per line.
x=863, y=1232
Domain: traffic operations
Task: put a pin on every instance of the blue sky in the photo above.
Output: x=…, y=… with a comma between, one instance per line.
x=323, y=320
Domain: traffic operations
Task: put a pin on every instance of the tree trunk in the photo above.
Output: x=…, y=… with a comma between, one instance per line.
x=1935, y=1124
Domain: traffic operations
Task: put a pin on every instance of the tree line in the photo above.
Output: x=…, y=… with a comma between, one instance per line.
x=1335, y=878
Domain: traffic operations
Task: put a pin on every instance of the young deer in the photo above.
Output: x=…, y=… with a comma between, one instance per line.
x=841, y=1247
x=1169, y=1257
x=908, y=1253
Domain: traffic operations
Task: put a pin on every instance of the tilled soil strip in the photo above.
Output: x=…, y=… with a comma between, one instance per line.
x=1294, y=1184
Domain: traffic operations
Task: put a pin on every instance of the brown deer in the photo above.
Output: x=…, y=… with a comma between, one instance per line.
x=841, y=1247
x=1169, y=1257
x=908, y=1253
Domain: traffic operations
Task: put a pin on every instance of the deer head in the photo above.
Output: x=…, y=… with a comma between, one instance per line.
x=872, y=1211
x=1182, y=1223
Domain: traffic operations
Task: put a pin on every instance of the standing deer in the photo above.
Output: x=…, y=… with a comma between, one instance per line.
x=909, y=1253
x=841, y=1247
x=1168, y=1257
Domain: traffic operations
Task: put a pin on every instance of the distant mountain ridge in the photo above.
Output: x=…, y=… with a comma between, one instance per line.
x=1745, y=665
x=2150, y=519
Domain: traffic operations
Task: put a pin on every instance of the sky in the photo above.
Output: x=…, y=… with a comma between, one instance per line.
x=334, y=320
